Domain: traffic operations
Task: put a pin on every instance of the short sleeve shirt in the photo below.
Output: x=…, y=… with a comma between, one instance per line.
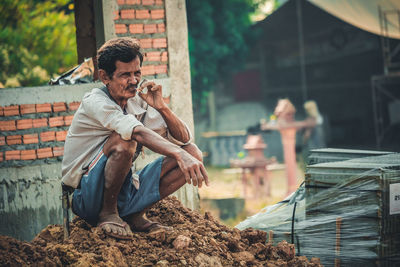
x=96, y=118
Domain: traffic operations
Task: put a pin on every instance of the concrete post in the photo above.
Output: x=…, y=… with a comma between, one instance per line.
x=179, y=73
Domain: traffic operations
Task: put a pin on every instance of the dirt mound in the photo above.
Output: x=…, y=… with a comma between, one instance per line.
x=196, y=240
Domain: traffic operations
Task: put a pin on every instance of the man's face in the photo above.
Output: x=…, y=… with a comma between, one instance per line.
x=122, y=85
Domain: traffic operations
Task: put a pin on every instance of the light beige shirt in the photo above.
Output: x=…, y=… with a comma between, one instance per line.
x=96, y=118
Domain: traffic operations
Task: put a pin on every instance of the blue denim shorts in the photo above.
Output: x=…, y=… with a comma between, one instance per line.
x=88, y=198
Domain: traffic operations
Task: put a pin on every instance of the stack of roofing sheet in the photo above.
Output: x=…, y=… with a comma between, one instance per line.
x=323, y=155
x=353, y=211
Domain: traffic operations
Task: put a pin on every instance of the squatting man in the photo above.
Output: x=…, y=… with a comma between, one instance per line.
x=109, y=128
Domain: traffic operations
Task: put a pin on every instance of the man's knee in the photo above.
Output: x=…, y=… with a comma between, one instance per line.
x=193, y=150
x=119, y=148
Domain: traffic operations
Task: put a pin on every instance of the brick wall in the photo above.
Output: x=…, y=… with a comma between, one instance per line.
x=145, y=20
x=34, y=133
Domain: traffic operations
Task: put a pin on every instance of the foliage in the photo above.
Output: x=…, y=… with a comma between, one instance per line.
x=37, y=41
x=219, y=39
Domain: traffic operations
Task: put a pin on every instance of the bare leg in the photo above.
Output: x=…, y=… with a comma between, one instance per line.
x=171, y=179
x=119, y=153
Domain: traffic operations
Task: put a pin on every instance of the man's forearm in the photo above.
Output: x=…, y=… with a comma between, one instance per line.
x=175, y=126
x=155, y=142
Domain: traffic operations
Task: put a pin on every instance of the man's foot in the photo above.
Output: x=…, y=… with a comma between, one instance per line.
x=140, y=223
x=116, y=228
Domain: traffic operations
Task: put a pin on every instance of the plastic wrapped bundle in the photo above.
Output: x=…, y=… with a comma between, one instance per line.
x=323, y=155
x=350, y=214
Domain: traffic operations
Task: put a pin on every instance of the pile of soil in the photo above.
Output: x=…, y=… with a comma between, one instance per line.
x=196, y=240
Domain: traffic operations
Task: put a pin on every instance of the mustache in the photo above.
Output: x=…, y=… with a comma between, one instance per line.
x=132, y=87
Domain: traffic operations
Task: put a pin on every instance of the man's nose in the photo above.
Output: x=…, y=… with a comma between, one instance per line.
x=133, y=80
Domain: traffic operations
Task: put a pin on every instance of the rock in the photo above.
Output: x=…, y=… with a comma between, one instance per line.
x=162, y=263
x=181, y=242
x=243, y=256
x=206, y=261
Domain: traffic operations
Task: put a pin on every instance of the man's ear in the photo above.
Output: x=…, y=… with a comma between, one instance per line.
x=104, y=76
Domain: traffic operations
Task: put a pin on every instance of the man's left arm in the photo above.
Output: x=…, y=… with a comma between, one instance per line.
x=176, y=127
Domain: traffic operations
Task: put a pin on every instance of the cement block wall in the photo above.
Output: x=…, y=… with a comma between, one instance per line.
x=34, y=120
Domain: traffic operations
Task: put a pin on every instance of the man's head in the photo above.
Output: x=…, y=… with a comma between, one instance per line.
x=124, y=49
x=120, y=62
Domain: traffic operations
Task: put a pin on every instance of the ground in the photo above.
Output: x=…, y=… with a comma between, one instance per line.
x=226, y=184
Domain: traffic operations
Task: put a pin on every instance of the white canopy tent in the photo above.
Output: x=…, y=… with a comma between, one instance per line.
x=365, y=14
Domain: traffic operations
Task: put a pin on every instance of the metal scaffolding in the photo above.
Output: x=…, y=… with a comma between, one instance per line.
x=386, y=87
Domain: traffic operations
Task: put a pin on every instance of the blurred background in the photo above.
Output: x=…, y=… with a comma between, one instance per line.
x=246, y=55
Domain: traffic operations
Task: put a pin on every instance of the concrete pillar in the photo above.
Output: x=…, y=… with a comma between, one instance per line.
x=179, y=73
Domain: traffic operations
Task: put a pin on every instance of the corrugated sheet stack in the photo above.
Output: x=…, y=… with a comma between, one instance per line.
x=352, y=207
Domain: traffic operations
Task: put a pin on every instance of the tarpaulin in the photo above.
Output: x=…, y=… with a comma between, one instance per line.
x=364, y=14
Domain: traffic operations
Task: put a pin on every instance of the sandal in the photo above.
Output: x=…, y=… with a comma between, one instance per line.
x=111, y=233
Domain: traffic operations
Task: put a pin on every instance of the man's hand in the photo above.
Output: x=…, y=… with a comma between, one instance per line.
x=153, y=96
x=193, y=169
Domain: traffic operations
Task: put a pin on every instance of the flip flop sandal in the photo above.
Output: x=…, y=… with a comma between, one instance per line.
x=111, y=233
x=151, y=227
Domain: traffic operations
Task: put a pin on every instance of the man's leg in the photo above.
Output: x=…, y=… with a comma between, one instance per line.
x=171, y=179
x=119, y=153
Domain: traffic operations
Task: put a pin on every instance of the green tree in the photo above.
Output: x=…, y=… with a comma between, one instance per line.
x=37, y=41
x=219, y=39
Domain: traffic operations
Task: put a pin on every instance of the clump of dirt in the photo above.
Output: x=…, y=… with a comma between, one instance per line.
x=196, y=240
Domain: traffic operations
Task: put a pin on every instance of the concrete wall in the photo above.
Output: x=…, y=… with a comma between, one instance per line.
x=34, y=120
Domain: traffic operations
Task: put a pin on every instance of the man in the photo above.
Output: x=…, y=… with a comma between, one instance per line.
x=107, y=129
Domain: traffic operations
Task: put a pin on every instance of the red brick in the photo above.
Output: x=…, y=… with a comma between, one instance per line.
x=157, y=13
x=28, y=154
x=147, y=2
x=43, y=107
x=127, y=14
x=121, y=2
x=153, y=56
x=44, y=153
x=133, y=2
x=136, y=28
x=7, y=126
x=1, y=156
x=148, y=70
x=116, y=14
x=24, y=124
x=160, y=43
x=120, y=28
x=58, y=151
x=150, y=28
x=30, y=138
x=14, y=140
x=161, y=69
x=56, y=121
x=29, y=108
x=13, y=154
x=164, y=56
x=2, y=140
x=11, y=110
x=73, y=105
x=146, y=43
x=159, y=2
x=47, y=136
x=68, y=120
x=59, y=107
x=61, y=135
x=38, y=123
x=161, y=27
x=142, y=14
x=1, y=111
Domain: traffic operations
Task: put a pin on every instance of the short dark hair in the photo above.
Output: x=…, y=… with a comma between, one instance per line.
x=124, y=49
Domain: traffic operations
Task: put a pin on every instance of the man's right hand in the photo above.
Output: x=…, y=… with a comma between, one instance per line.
x=193, y=169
